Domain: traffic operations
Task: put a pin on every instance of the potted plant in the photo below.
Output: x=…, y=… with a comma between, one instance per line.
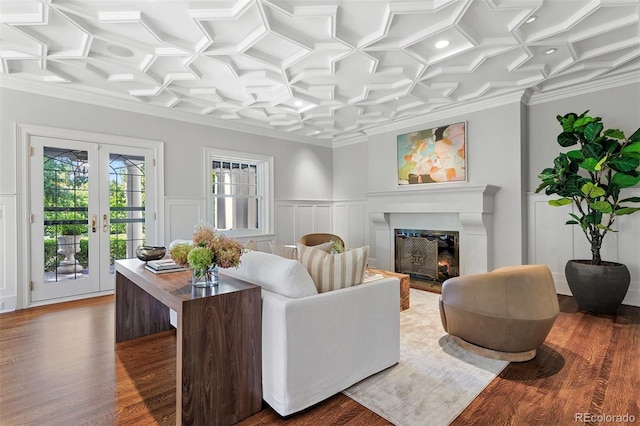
x=208, y=250
x=591, y=178
x=75, y=229
x=68, y=246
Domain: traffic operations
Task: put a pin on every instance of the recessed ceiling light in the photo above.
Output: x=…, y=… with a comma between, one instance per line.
x=550, y=51
x=120, y=51
x=531, y=19
x=441, y=44
x=298, y=103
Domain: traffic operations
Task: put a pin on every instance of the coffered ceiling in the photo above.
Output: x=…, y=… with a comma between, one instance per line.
x=330, y=70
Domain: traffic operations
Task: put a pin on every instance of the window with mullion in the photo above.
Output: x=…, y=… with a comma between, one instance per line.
x=239, y=201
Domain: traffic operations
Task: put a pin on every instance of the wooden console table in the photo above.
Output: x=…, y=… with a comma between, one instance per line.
x=219, y=339
x=405, y=284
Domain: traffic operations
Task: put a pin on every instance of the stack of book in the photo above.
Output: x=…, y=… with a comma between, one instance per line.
x=163, y=266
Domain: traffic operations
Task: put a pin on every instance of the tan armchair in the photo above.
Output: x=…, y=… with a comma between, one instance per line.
x=315, y=239
x=504, y=314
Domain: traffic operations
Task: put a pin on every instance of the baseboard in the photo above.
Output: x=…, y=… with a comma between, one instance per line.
x=8, y=304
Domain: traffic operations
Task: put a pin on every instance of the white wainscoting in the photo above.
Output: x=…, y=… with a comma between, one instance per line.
x=553, y=243
x=351, y=222
x=8, y=254
x=296, y=218
x=181, y=215
x=348, y=219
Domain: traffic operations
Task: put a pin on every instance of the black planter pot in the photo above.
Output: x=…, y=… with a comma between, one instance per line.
x=598, y=288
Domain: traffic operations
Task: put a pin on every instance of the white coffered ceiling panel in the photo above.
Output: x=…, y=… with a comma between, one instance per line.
x=330, y=70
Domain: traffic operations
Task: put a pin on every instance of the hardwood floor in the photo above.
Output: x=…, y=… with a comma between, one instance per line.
x=59, y=365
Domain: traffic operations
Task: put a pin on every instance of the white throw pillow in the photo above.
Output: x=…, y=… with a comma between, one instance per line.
x=286, y=277
x=334, y=271
x=291, y=252
x=288, y=252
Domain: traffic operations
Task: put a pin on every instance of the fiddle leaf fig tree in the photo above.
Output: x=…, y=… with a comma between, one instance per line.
x=592, y=175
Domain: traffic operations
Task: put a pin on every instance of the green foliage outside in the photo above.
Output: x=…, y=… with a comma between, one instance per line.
x=118, y=250
x=66, y=201
x=65, y=187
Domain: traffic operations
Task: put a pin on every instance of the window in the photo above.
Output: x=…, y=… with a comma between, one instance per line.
x=239, y=192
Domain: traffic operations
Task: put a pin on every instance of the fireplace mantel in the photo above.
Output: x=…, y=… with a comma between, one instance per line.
x=448, y=198
x=472, y=205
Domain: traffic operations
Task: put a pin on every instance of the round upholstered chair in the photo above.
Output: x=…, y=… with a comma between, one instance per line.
x=504, y=314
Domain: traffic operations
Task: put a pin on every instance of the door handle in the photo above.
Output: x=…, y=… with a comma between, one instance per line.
x=94, y=222
x=104, y=223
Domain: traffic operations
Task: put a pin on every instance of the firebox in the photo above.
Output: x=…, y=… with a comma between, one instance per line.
x=427, y=255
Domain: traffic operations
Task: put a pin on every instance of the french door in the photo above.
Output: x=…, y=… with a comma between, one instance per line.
x=88, y=208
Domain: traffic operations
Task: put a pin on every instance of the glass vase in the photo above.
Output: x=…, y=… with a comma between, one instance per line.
x=205, y=277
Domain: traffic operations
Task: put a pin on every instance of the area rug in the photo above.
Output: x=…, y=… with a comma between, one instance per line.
x=435, y=379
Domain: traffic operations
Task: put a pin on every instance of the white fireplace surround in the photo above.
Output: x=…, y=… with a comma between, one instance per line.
x=469, y=208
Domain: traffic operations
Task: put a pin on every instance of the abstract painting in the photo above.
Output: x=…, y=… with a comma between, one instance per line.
x=433, y=155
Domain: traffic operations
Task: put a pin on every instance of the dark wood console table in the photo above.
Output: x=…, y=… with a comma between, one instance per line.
x=219, y=339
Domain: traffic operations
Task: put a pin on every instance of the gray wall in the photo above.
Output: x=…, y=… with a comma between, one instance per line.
x=302, y=171
x=508, y=146
x=350, y=171
x=494, y=149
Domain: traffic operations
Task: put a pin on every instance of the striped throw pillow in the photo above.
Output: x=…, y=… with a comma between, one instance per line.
x=334, y=271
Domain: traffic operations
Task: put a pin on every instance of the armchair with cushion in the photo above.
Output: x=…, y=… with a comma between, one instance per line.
x=319, y=238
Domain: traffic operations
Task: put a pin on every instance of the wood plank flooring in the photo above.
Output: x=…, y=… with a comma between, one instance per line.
x=59, y=365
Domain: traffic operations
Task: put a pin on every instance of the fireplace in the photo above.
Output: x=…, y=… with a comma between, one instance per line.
x=427, y=255
x=467, y=209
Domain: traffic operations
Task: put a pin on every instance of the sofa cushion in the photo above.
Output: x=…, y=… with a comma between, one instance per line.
x=291, y=252
x=334, y=271
x=286, y=277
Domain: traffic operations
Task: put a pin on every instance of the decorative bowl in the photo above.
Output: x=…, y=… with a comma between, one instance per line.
x=147, y=253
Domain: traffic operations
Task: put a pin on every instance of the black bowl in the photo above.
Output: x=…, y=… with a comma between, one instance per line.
x=147, y=253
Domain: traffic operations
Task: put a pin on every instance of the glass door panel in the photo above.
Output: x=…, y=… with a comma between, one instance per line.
x=89, y=209
x=66, y=214
x=61, y=201
x=127, y=210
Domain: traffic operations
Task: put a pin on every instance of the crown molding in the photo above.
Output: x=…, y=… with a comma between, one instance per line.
x=96, y=99
x=350, y=141
x=602, y=83
x=441, y=114
x=527, y=97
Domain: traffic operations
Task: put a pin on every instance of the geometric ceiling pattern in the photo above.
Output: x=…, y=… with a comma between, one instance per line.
x=326, y=69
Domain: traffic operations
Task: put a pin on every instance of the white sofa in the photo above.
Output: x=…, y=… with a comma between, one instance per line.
x=316, y=345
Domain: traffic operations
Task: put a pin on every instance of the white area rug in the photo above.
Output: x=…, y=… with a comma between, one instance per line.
x=435, y=379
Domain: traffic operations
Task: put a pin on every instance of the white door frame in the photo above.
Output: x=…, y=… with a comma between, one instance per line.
x=24, y=132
